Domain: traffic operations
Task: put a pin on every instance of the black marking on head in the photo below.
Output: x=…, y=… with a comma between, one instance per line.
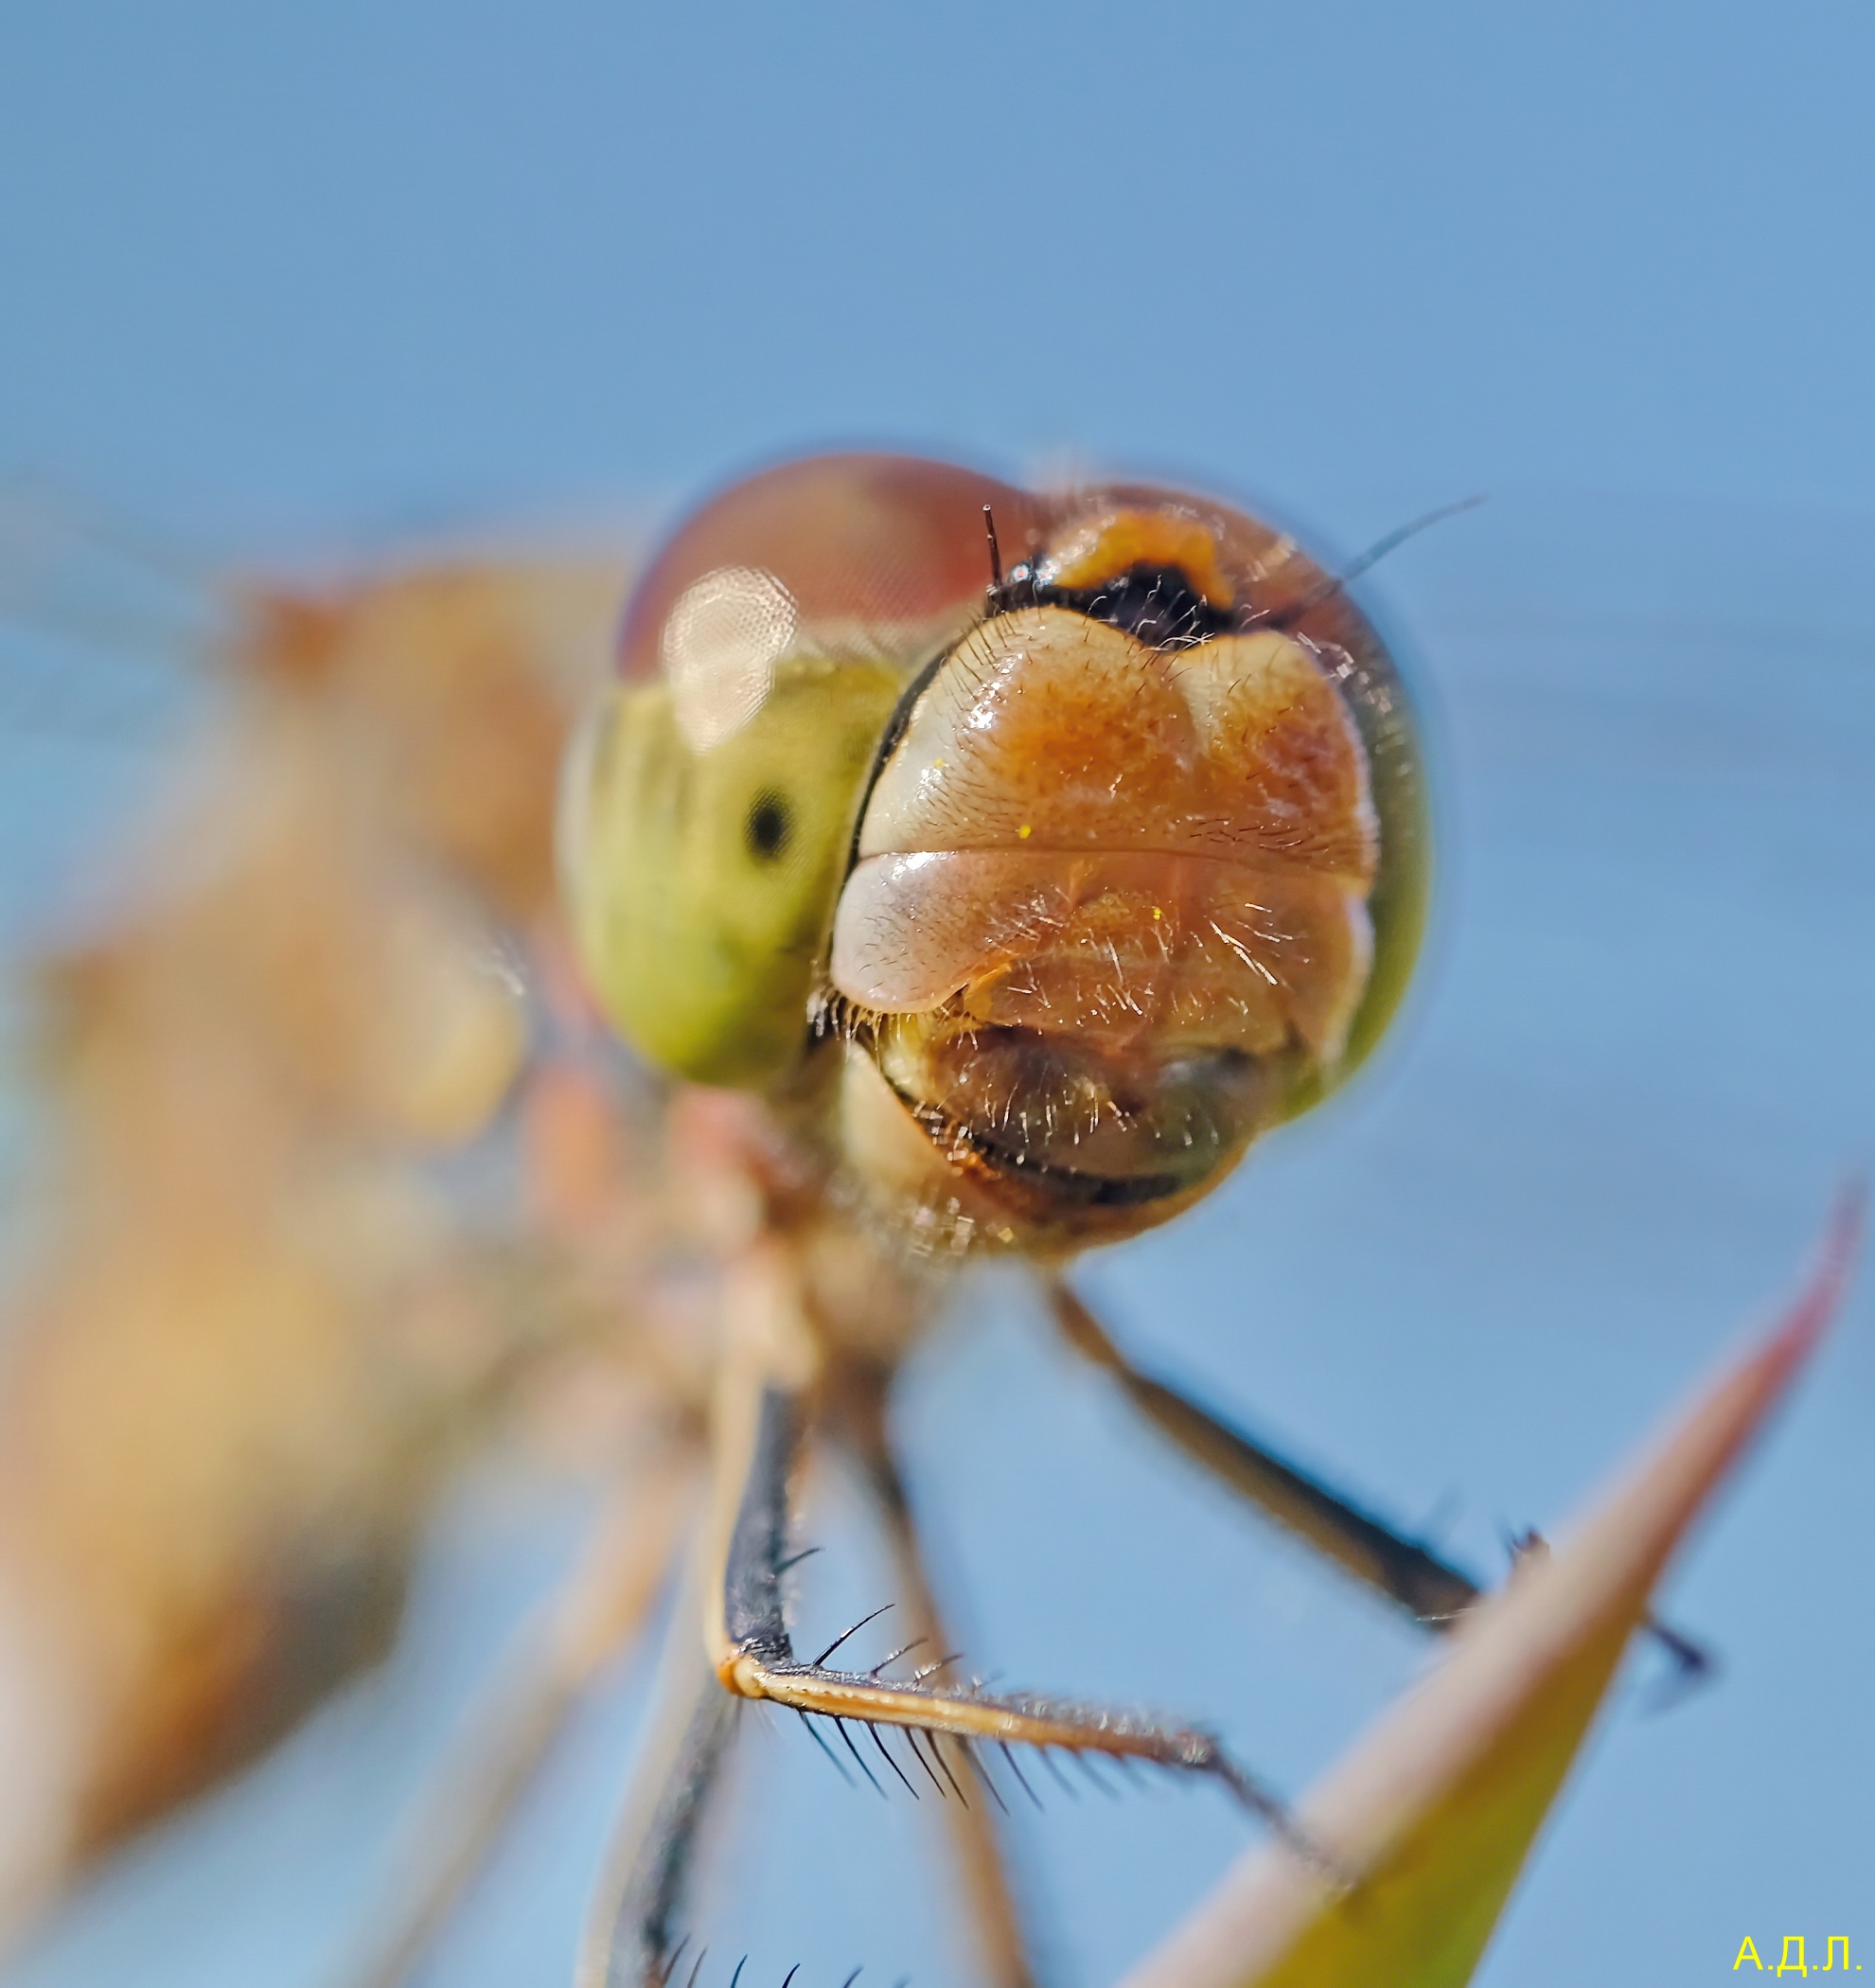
x=1157, y=605
x=769, y=827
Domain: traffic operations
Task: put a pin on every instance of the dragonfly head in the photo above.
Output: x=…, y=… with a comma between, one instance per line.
x=1098, y=874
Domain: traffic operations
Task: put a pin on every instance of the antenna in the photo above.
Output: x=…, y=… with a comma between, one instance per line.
x=1334, y=583
x=996, y=550
x=1394, y=540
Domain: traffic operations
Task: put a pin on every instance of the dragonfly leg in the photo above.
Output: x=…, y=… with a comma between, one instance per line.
x=1432, y=1591
x=627, y=1939
x=974, y=1834
x=1427, y=1586
x=761, y=1424
x=596, y=1611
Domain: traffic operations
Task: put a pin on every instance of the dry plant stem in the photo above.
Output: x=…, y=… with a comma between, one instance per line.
x=975, y=1837
x=598, y=1610
x=758, y=1429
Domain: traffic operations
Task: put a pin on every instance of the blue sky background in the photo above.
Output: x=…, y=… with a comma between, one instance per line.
x=306, y=279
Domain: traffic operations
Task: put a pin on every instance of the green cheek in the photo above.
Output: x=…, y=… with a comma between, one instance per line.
x=702, y=884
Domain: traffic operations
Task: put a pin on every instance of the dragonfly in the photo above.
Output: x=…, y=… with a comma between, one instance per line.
x=656, y=994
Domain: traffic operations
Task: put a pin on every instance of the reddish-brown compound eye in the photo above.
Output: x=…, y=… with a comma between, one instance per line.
x=709, y=810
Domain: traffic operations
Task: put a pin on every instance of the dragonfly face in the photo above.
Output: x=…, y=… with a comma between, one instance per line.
x=1043, y=892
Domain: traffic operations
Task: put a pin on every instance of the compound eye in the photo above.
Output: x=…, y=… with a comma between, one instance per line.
x=769, y=827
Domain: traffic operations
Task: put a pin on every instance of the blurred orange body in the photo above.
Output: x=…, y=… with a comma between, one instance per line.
x=249, y=1331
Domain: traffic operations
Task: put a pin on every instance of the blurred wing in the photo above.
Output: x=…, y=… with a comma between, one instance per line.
x=252, y=1312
